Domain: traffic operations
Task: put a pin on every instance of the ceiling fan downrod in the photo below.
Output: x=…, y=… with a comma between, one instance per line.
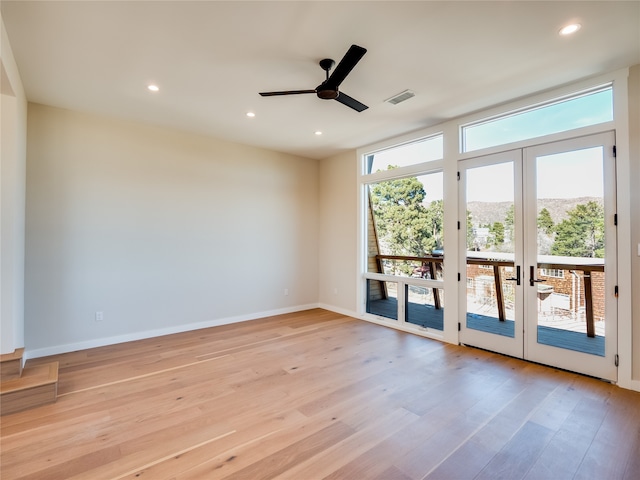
x=326, y=94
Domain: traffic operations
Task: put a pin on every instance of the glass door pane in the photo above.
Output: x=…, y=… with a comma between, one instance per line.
x=492, y=241
x=570, y=250
x=490, y=249
x=568, y=211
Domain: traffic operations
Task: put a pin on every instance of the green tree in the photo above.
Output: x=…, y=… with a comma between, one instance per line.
x=582, y=233
x=509, y=222
x=497, y=233
x=405, y=225
x=400, y=215
x=435, y=222
x=545, y=222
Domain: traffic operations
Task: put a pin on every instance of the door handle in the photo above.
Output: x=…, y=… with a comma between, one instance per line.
x=517, y=277
x=533, y=280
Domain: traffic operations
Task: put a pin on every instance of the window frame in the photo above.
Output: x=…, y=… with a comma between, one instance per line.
x=608, y=86
x=398, y=145
x=365, y=181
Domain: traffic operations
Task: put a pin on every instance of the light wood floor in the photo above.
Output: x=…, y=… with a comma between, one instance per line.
x=318, y=395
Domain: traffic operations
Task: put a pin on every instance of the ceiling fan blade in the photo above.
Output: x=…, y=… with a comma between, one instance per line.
x=286, y=92
x=345, y=99
x=350, y=59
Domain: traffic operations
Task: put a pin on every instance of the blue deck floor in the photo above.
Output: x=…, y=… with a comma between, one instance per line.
x=423, y=315
x=428, y=316
x=488, y=324
x=576, y=341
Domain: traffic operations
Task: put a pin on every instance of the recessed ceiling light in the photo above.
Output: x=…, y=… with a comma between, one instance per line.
x=153, y=88
x=318, y=132
x=251, y=114
x=569, y=29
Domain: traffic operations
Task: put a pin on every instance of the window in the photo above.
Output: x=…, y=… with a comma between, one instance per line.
x=552, y=272
x=420, y=151
x=405, y=235
x=405, y=225
x=591, y=107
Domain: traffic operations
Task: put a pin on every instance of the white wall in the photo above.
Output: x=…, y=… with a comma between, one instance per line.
x=160, y=230
x=338, y=233
x=13, y=132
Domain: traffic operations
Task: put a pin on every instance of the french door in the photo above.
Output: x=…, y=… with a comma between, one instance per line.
x=539, y=245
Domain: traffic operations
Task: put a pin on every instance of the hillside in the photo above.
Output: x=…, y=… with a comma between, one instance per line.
x=483, y=213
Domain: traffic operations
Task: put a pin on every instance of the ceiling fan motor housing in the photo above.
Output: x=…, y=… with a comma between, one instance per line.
x=326, y=94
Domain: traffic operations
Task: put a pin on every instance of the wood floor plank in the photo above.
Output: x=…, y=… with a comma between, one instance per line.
x=171, y=400
x=465, y=462
x=500, y=430
x=633, y=466
x=325, y=463
x=243, y=451
x=316, y=394
x=449, y=437
x=204, y=460
x=282, y=460
x=392, y=473
x=370, y=464
x=564, y=452
x=133, y=455
x=608, y=456
x=474, y=453
x=463, y=416
x=515, y=459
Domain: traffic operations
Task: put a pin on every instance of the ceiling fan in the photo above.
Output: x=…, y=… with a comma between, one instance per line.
x=328, y=90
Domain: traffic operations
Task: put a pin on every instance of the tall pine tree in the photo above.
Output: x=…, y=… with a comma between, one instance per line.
x=582, y=233
x=405, y=225
x=545, y=222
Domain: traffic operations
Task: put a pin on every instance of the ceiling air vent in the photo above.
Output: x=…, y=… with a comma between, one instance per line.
x=401, y=97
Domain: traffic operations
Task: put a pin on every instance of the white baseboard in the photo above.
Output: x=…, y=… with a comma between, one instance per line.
x=130, y=337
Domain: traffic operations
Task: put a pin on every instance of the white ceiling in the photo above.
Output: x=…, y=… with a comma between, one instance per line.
x=211, y=59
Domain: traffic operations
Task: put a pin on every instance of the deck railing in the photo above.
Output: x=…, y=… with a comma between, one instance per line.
x=436, y=262
x=431, y=261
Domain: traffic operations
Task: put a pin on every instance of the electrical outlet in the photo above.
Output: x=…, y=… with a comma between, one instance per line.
x=335, y=291
x=286, y=292
x=99, y=316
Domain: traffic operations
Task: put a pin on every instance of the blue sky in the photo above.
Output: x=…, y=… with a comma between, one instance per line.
x=578, y=112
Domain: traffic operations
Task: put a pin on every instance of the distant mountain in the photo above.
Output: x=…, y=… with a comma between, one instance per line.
x=483, y=213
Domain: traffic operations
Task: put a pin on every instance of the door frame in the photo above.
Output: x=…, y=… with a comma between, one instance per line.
x=512, y=346
x=569, y=359
x=524, y=343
